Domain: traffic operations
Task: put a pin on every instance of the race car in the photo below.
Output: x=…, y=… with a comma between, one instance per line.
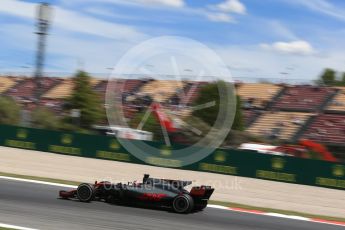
x=152, y=192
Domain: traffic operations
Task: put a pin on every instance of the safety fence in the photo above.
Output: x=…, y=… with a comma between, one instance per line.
x=223, y=161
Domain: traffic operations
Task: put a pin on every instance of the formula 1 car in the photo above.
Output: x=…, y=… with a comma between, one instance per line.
x=159, y=193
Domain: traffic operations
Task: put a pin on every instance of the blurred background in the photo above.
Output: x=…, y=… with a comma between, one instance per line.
x=288, y=72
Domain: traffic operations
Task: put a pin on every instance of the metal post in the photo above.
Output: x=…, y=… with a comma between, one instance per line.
x=43, y=20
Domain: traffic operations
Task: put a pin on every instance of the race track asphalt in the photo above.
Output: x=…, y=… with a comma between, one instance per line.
x=37, y=206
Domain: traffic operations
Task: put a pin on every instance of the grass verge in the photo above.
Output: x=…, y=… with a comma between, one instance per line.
x=226, y=204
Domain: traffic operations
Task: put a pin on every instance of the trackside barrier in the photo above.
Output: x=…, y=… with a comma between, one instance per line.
x=231, y=162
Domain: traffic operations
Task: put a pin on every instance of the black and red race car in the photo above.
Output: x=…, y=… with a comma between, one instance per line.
x=151, y=192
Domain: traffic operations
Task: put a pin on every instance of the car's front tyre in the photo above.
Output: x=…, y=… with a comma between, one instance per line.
x=85, y=192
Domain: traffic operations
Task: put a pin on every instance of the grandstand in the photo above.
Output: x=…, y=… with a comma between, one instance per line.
x=26, y=89
x=99, y=86
x=65, y=87
x=275, y=111
x=338, y=102
x=250, y=115
x=327, y=128
x=61, y=91
x=278, y=125
x=54, y=98
x=6, y=83
x=304, y=98
x=257, y=95
x=161, y=90
x=133, y=85
x=191, y=92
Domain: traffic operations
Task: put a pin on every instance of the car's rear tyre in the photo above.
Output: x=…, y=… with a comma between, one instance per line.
x=183, y=204
x=85, y=192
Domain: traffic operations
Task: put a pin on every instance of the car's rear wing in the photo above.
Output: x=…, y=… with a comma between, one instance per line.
x=202, y=192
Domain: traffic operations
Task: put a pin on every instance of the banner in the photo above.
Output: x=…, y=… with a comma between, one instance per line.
x=222, y=161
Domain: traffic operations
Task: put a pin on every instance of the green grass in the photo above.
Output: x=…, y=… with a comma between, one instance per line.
x=227, y=204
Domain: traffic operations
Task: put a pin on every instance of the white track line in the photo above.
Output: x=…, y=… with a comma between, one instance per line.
x=209, y=206
x=15, y=227
x=286, y=216
x=217, y=206
x=37, y=182
x=255, y=212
